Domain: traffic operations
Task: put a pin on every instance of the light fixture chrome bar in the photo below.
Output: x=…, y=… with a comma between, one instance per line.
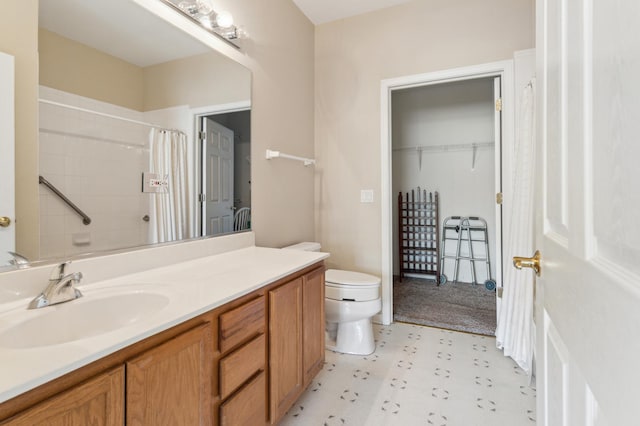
x=85, y=219
x=193, y=19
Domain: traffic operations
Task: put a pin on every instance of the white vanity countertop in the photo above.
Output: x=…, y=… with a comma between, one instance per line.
x=193, y=287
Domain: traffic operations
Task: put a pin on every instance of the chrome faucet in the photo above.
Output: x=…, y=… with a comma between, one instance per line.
x=60, y=288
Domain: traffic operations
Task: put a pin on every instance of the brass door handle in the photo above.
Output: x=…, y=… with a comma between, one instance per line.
x=5, y=221
x=528, y=262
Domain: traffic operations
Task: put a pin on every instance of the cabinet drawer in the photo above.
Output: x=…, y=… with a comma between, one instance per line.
x=241, y=323
x=238, y=366
x=248, y=407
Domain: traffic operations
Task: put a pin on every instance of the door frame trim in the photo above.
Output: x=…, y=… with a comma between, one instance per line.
x=503, y=69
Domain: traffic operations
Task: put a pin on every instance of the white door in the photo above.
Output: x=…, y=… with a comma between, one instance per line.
x=7, y=184
x=588, y=206
x=218, y=209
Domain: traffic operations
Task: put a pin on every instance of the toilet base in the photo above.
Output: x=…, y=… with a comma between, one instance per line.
x=353, y=337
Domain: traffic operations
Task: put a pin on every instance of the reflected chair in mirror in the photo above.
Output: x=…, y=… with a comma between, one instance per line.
x=242, y=219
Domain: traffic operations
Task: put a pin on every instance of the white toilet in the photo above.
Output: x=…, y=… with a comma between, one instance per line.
x=351, y=300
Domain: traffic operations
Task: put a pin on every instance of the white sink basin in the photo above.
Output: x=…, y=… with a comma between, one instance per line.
x=88, y=316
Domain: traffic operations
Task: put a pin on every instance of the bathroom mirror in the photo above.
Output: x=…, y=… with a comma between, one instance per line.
x=144, y=129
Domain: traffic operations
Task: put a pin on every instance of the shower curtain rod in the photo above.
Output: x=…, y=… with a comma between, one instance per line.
x=103, y=114
x=93, y=138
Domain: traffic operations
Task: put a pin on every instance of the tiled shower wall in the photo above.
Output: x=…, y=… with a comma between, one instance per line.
x=97, y=162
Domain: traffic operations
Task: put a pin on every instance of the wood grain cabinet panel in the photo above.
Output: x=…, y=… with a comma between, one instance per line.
x=171, y=384
x=313, y=324
x=248, y=407
x=97, y=402
x=285, y=348
x=239, y=324
x=237, y=367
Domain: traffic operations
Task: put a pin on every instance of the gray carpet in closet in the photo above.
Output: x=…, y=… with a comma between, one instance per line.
x=454, y=306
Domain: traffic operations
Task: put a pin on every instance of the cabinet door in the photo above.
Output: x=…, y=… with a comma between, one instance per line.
x=313, y=324
x=98, y=402
x=285, y=348
x=171, y=384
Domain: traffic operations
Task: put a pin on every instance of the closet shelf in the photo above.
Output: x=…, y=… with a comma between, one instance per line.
x=474, y=146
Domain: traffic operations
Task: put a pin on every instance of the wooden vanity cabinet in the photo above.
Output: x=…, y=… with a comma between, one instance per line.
x=242, y=364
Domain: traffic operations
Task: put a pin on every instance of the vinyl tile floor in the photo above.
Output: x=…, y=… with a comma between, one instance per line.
x=418, y=376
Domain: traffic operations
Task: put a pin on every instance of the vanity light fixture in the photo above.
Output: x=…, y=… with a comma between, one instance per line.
x=220, y=23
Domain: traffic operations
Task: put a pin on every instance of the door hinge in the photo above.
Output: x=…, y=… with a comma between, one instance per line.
x=499, y=104
x=201, y=197
x=499, y=198
x=202, y=135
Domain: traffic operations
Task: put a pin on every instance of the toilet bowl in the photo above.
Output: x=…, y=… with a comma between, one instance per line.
x=351, y=301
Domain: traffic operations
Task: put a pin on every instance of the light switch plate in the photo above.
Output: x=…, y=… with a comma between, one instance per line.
x=366, y=196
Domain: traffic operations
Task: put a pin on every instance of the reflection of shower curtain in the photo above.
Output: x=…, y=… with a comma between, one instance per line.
x=514, y=331
x=171, y=212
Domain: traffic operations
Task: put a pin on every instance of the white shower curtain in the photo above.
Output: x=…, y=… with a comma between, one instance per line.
x=515, y=328
x=172, y=211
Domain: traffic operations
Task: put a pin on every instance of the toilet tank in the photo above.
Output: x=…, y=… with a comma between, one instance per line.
x=306, y=246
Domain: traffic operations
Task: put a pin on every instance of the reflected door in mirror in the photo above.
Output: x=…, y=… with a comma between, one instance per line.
x=218, y=149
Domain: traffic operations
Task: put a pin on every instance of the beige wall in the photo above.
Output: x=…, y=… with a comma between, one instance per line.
x=19, y=37
x=279, y=52
x=75, y=68
x=352, y=56
x=200, y=80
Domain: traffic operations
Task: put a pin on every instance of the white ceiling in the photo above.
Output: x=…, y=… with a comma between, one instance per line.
x=323, y=11
x=120, y=28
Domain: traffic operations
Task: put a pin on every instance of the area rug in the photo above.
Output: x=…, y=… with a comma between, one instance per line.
x=454, y=306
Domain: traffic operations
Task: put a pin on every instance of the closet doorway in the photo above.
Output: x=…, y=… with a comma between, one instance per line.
x=443, y=132
x=444, y=142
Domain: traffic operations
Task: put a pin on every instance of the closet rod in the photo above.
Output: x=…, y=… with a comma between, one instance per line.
x=444, y=148
x=104, y=114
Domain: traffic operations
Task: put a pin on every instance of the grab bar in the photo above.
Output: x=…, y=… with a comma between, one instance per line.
x=85, y=219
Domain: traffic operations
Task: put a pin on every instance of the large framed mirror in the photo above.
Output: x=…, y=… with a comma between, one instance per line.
x=144, y=132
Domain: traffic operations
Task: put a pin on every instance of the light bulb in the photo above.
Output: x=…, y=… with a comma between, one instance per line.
x=206, y=22
x=224, y=20
x=204, y=7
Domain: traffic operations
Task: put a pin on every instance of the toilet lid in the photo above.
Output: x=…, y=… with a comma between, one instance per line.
x=339, y=277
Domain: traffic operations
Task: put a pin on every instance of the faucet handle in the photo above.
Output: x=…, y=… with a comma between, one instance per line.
x=59, y=271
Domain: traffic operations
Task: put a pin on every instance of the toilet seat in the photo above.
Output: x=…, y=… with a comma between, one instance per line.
x=351, y=286
x=337, y=276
